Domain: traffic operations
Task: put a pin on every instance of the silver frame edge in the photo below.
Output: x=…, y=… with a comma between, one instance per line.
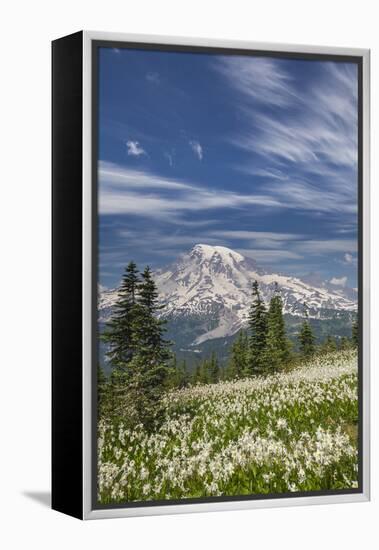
x=88, y=512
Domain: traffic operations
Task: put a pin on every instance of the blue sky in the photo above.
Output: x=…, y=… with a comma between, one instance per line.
x=254, y=153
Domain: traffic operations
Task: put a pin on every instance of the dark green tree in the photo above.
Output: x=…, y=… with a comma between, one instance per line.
x=180, y=377
x=355, y=333
x=138, y=352
x=149, y=328
x=185, y=375
x=204, y=374
x=277, y=344
x=344, y=343
x=119, y=332
x=196, y=379
x=102, y=391
x=306, y=337
x=329, y=345
x=238, y=362
x=257, y=334
x=213, y=369
x=151, y=365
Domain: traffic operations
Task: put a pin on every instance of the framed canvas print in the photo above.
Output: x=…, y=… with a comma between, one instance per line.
x=210, y=275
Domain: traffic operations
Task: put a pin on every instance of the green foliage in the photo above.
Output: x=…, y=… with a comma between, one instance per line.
x=329, y=345
x=278, y=347
x=344, y=343
x=213, y=369
x=257, y=360
x=102, y=390
x=306, y=338
x=120, y=331
x=355, y=333
x=138, y=353
x=180, y=376
x=152, y=348
x=238, y=362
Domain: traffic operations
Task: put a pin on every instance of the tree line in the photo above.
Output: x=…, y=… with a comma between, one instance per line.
x=263, y=348
x=144, y=367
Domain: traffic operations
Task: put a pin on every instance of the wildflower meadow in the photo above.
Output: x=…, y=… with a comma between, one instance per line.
x=287, y=432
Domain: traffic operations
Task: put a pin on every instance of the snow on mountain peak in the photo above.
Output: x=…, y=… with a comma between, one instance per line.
x=214, y=283
x=207, y=252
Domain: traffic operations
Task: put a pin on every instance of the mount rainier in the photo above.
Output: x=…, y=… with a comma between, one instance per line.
x=206, y=294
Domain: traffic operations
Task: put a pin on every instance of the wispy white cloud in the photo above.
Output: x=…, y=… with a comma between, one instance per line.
x=134, y=149
x=249, y=235
x=269, y=256
x=319, y=247
x=122, y=190
x=310, y=196
x=265, y=244
x=307, y=143
x=260, y=239
x=114, y=175
x=197, y=149
x=259, y=79
x=126, y=190
x=176, y=240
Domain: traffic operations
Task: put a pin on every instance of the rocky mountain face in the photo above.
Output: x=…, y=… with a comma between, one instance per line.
x=206, y=294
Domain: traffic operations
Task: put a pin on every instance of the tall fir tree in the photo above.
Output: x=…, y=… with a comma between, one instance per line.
x=355, y=333
x=257, y=363
x=151, y=365
x=119, y=332
x=185, y=375
x=329, y=344
x=149, y=329
x=138, y=352
x=238, y=362
x=204, y=375
x=306, y=337
x=277, y=344
x=180, y=377
x=196, y=378
x=213, y=368
x=102, y=391
x=344, y=343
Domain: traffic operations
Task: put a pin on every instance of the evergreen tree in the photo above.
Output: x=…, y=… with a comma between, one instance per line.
x=344, y=343
x=180, y=376
x=277, y=344
x=213, y=368
x=329, y=345
x=258, y=333
x=306, y=338
x=150, y=366
x=149, y=329
x=238, y=361
x=185, y=379
x=204, y=375
x=197, y=374
x=138, y=352
x=102, y=388
x=119, y=332
x=355, y=333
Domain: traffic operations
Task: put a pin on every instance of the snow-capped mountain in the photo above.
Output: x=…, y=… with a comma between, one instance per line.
x=213, y=285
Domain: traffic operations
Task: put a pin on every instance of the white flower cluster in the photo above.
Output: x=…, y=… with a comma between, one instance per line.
x=287, y=432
